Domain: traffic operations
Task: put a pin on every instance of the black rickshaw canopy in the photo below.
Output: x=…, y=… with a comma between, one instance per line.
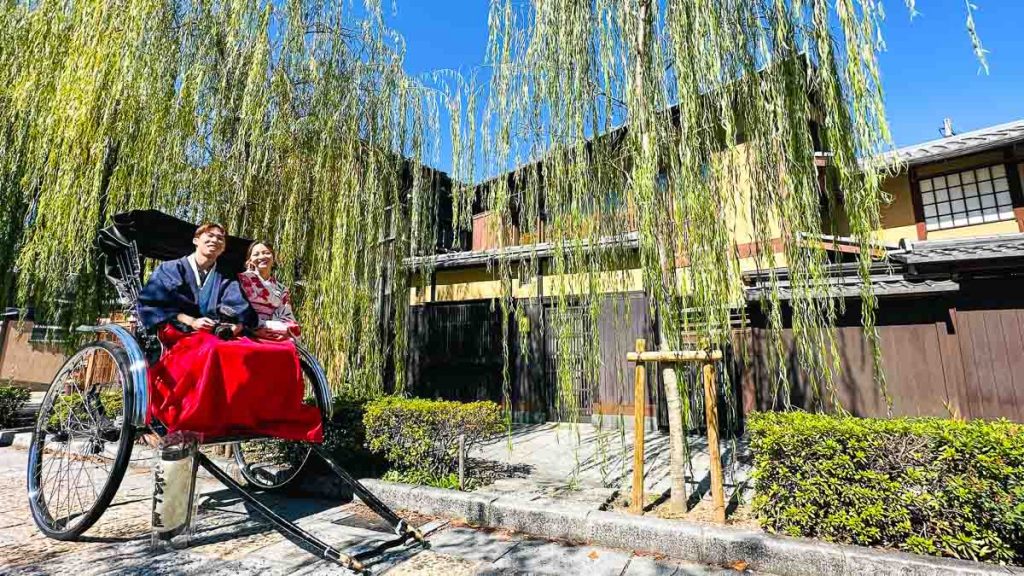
x=164, y=237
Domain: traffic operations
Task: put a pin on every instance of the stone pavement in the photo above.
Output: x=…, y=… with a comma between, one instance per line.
x=229, y=540
x=586, y=464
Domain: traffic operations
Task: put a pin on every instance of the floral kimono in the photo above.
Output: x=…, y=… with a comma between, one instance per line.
x=270, y=300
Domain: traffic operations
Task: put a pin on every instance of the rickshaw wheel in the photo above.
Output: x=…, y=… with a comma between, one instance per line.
x=82, y=441
x=271, y=463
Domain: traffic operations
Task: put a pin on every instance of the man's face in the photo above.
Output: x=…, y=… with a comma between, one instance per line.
x=210, y=243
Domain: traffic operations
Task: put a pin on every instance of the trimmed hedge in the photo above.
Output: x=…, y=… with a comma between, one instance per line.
x=923, y=485
x=12, y=398
x=110, y=399
x=420, y=438
x=345, y=437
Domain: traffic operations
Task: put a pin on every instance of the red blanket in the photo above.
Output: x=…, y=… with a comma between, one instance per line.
x=219, y=388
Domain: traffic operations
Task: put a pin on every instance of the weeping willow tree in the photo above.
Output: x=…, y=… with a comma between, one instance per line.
x=696, y=124
x=290, y=121
x=651, y=140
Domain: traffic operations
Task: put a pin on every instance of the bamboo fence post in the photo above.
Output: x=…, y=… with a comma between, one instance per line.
x=90, y=367
x=711, y=412
x=639, y=413
x=462, y=461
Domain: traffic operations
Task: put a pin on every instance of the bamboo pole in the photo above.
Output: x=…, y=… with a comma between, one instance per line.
x=711, y=412
x=639, y=413
x=674, y=356
x=90, y=367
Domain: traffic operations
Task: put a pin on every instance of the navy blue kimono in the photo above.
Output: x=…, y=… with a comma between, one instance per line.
x=172, y=289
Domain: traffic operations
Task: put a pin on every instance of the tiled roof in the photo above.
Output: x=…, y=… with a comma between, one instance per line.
x=513, y=253
x=881, y=286
x=948, y=251
x=959, y=144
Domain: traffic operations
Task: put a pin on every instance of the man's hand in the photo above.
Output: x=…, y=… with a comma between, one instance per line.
x=236, y=329
x=203, y=324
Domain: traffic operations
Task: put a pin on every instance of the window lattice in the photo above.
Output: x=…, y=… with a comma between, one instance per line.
x=966, y=198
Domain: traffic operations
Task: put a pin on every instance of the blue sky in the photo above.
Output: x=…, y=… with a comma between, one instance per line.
x=929, y=71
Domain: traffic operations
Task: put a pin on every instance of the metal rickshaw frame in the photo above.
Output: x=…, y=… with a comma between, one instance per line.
x=152, y=234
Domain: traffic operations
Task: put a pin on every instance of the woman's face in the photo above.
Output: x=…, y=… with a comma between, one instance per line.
x=261, y=259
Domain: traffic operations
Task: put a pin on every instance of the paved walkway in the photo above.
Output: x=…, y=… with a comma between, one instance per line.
x=231, y=541
x=587, y=464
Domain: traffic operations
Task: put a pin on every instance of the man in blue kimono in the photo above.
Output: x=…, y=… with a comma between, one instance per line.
x=191, y=294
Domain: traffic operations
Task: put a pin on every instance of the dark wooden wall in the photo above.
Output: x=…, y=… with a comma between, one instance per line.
x=990, y=322
x=621, y=319
x=455, y=352
x=962, y=353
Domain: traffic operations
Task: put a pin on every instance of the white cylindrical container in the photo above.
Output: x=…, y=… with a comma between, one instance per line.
x=173, y=487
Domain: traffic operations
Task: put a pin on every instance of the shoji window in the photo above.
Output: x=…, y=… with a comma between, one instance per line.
x=966, y=198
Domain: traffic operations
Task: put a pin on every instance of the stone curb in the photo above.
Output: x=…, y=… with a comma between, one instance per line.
x=693, y=542
x=8, y=436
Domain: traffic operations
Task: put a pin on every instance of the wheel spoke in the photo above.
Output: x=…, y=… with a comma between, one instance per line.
x=76, y=455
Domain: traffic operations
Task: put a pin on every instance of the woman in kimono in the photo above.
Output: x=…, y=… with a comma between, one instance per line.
x=211, y=380
x=267, y=296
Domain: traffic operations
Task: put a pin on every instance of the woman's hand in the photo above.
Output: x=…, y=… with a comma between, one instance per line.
x=203, y=324
x=271, y=334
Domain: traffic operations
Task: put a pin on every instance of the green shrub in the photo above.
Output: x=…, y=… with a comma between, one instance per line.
x=422, y=436
x=12, y=398
x=923, y=485
x=111, y=400
x=344, y=439
x=423, y=478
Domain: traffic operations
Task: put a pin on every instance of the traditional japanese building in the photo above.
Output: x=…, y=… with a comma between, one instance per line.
x=948, y=279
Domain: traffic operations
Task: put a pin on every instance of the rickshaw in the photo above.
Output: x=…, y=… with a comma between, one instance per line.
x=95, y=410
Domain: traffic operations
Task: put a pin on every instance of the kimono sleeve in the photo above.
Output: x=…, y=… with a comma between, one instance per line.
x=232, y=297
x=285, y=312
x=160, y=301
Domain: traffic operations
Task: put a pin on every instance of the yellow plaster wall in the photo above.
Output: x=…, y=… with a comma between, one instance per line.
x=750, y=264
x=607, y=282
x=457, y=285
x=737, y=204
x=897, y=220
x=897, y=216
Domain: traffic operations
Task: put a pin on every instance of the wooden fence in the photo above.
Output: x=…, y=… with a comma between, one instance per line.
x=962, y=354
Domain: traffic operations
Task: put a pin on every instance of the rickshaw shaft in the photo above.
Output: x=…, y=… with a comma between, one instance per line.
x=397, y=524
x=283, y=524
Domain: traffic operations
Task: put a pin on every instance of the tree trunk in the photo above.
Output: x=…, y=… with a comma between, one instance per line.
x=676, y=434
x=666, y=255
